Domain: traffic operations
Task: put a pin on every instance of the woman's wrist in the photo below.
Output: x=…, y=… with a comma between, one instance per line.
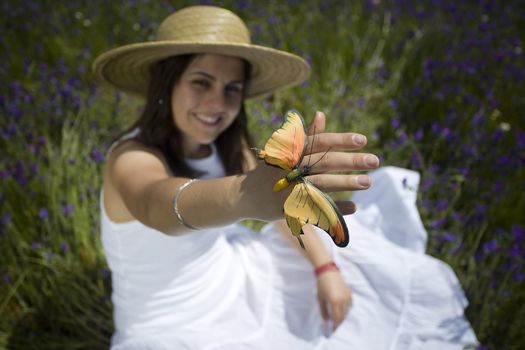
x=238, y=203
x=328, y=266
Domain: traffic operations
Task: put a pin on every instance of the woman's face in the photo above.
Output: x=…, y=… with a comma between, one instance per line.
x=206, y=100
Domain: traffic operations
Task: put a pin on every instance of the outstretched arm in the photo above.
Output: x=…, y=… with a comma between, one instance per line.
x=138, y=185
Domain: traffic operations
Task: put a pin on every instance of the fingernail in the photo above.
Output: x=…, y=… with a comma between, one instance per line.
x=371, y=160
x=363, y=180
x=359, y=139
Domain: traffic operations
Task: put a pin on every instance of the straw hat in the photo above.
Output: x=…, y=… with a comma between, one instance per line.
x=200, y=29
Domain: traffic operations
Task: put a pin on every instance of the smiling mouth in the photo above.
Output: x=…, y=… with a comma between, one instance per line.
x=207, y=120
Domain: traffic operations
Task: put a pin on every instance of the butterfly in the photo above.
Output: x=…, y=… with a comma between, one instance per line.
x=306, y=204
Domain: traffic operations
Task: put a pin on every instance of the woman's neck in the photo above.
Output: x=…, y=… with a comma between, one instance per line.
x=197, y=151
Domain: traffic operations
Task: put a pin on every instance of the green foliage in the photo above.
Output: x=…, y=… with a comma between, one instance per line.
x=438, y=88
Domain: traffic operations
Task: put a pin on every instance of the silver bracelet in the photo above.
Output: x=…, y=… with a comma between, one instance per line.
x=176, y=208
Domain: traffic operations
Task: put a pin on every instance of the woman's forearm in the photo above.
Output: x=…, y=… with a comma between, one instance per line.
x=315, y=250
x=202, y=204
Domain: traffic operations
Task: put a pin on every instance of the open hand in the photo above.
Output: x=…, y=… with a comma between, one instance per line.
x=327, y=152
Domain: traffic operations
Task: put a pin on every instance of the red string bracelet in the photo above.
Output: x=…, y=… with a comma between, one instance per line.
x=325, y=267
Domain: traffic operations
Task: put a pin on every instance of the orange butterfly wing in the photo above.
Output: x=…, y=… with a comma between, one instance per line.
x=286, y=146
x=306, y=204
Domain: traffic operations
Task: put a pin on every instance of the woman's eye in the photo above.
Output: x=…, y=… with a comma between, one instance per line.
x=201, y=83
x=234, y=89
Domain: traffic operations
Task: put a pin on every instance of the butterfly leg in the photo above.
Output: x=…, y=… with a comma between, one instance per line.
x=300, y=242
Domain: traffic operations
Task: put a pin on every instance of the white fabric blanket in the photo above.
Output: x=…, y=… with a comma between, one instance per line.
x=231, y=288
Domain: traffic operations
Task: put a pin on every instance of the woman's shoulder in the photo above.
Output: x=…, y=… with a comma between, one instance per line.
x=130, y=166
x=132, y=154
x=136, y=147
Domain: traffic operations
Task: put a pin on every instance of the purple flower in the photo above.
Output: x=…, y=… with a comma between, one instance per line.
x=490, y=246
x=6, y=277
x=307, y=57
x=478, y=256
x=518, y=232
x=449, y=236
x=32, y=148
x=4, y=222
x=518, y=276
x=463, y=170
x=498, y=186
x=438, y=223
x=427, y=183
x=415, y=160
x=67, y=209
x=447, y=134
x=64, y=247
x=97, y=156
x=520, y=140
x=456, y=216
x=10, y=131
x=418, y=135
x=392, y=104
x=361, y=102
x=428, y=67
x=33, y=168
x=6, y=219
x=516, y=251
x=395, y=122
x=276, y=119
x=49, y=255
x=18, y=174
x=43, y=214
x=480, y=211
x=436, y=128
x=441, y=204
x=469, y=150
x=402, y=137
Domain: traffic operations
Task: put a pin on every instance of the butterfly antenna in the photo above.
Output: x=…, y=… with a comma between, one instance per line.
x=311, y=148
x=328, y=150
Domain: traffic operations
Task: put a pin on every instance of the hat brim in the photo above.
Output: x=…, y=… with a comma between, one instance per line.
x=128, y=67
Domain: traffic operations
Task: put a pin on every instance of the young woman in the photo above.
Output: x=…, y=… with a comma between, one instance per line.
x=185, y=275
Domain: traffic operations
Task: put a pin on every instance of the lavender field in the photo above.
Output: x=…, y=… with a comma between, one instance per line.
x=438, y=87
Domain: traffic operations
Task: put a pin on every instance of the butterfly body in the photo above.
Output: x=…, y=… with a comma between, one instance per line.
x=306, y=204
x=293, y=175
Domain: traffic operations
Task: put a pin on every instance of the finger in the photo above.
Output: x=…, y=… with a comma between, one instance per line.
x=321, y=142
x=318, y=124
x=324, y=310
x=338, y=316
x=340, y=182
x=340, y=161
x=346, y=207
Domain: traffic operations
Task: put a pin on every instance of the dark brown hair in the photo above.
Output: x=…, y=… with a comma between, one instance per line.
x=158, y=130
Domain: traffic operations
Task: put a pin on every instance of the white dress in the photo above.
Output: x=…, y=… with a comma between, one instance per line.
x=232, y=288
